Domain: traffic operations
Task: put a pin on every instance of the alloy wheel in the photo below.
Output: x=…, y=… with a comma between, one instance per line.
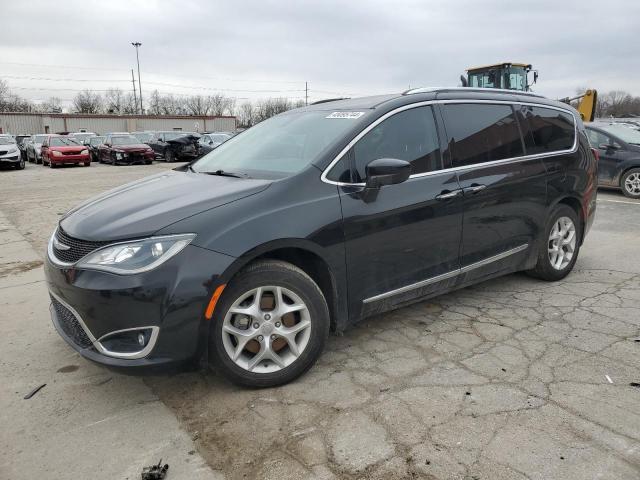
x=562, y=243
x=632, y=184
x=266, y=329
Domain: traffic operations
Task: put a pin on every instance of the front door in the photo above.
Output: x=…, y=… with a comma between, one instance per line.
x=403, y=243
x=611, y=154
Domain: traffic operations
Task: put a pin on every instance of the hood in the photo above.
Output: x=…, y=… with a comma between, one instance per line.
x=141, y=208
x=130, y=148
x=68, y=148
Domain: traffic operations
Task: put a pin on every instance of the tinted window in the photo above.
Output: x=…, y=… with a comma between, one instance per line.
x=481, y=133
x=547, y=130
x=410, y=135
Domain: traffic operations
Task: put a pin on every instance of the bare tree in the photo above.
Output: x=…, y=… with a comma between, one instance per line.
x=87, y=102
x=10, y=102
x=52, y=105
x=114, y=101
x=245, y=115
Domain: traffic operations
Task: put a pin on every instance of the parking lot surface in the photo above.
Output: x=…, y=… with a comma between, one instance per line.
x=511, y=379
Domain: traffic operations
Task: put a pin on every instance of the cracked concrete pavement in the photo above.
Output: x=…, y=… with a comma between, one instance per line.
x=510, y=379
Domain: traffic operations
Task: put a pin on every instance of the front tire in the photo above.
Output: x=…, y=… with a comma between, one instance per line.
x=270, y=326
x=630, y=183
x=20, y=164
x=558, y=255
x=169, y=156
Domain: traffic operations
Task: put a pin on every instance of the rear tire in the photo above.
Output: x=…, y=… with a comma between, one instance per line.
x=560, y=245
x=87, y=164
x=630, y=183
x=265, y=328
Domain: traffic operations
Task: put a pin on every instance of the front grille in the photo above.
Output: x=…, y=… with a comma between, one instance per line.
x=71, y=153
x=4, y=152
x=70, y=325
x=77, y=250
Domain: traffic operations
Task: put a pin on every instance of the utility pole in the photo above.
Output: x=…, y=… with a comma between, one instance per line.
x=135, y=98
x=138, y=44
x=306, y=93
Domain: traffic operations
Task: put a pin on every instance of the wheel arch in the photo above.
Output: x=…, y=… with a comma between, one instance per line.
x=576, y=205
x=623, y=171
x=305, y=255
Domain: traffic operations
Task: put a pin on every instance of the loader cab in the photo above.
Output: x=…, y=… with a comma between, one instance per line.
x=507, y=76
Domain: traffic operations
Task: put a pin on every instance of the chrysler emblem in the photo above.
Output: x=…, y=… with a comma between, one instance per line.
x=59, y=245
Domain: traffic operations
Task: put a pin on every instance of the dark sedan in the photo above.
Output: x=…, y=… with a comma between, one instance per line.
x=619, y=149
x=175, y=145
x=118, y=148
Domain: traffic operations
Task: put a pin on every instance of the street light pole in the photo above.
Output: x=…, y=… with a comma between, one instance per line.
x=138, y=44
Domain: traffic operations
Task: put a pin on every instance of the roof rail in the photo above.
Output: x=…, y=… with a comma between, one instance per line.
x=413, y=91
x=329, y=100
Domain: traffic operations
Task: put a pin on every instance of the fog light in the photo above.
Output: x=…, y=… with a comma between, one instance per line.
x=141, y=339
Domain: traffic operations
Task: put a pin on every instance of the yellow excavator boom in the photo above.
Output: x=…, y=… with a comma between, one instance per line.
x=587, y=104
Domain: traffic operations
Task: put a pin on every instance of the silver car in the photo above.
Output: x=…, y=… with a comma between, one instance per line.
x=34, y=147
x=10, y=153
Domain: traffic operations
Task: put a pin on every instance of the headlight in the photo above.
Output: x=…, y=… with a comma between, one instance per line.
x=12, y=150
x=118, y=155
x=84, y=152
x=137, y=256
x=56, y=153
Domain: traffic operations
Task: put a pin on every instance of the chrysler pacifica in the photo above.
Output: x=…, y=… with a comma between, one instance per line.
x=315, y=219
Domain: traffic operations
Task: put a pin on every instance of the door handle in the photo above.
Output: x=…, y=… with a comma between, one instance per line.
x=473, y=189
x=448, y=195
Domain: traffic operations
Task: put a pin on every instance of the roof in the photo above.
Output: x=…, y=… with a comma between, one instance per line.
x=503, y=65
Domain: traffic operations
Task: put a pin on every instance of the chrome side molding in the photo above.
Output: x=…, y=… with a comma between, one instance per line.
x=445, y=276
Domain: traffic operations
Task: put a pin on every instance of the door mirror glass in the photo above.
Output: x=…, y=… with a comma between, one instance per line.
x=387, y=171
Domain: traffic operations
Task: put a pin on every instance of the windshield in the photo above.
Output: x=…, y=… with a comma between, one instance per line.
x=96, y=140
x=143, y=137
x=125, y=140
x=6, y=141
x=39, y=138
x=626, y=134
x=82, y=135
x=64, y=142
x=283, y=144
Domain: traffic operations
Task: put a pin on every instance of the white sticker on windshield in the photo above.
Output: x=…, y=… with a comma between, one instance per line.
x=345, y=115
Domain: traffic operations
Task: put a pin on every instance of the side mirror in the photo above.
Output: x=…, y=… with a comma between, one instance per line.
x=387, y=171
x=606, y=146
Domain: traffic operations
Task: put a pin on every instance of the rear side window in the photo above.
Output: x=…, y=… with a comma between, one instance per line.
x=479, y=132
x=409, y=135
x=546, y=129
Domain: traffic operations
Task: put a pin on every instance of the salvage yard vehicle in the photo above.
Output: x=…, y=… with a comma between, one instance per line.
x=209, y=141
x=82, y=137
x=315, y=219
x=10, y=153
x=60, y=150
x=619, y=151
x=92, y=144
x=175, y=145
x=34, y=148
x=143, y=137
x=119, y=148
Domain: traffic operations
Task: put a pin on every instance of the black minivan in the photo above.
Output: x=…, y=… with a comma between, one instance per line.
x=314, y=219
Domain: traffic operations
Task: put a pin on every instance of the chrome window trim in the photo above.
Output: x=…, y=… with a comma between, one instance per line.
x=447, y=275
x=129, y=355
x=338, y=157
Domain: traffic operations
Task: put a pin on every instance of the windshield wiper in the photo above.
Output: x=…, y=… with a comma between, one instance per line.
x=222, y=173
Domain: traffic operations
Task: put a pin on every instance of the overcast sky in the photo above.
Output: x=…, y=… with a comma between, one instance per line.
x=261, y=48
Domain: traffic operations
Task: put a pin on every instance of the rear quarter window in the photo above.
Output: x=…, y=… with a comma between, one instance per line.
x=546, y=129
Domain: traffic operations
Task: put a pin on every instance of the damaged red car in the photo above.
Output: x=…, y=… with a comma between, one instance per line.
x=58, y=150
x=123, y=148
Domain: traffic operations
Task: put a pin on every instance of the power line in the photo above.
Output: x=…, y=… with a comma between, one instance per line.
x=50, y=79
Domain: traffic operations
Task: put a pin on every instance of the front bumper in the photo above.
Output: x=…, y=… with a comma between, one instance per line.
x=171, y=299
x=10, y=158
x=59, y=160
x=134, y=157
